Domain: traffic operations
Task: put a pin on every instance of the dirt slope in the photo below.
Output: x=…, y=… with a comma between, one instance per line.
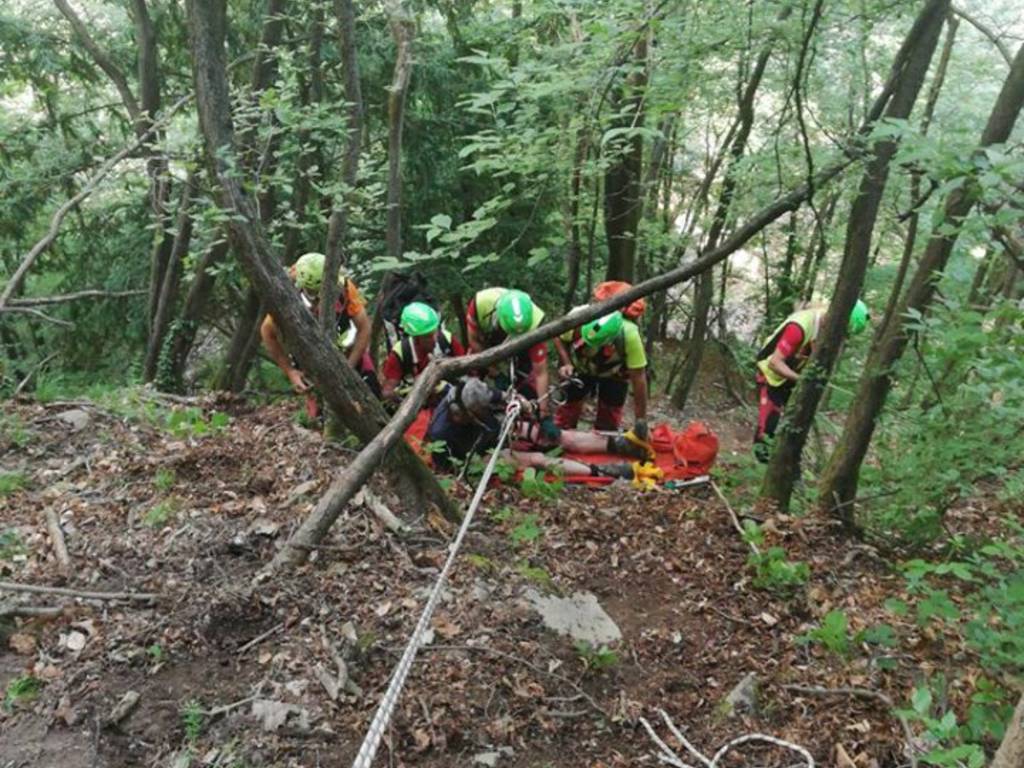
x=194, y=517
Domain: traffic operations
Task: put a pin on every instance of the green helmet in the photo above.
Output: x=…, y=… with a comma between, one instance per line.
x=515, y=312
x=599, y=332
x=308, y=272
x=419, y=319
x=858, y=317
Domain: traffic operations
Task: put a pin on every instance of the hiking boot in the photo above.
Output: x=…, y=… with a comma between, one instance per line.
x=621, y=471
x=619, y=445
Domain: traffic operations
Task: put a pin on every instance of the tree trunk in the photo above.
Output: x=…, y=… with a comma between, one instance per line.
x=815, y=254
x=703, y=296
x=337, y=228
x=402, y=29
x=182, y=333
x=623, y=188
x=235, y=370
x=1011, y=751
x=839, y=484
x=172, y=279
x=910, y=241
x=784, y=466
x=243, y=345
x=574, y=253
x=156, y=163
x=345, y=393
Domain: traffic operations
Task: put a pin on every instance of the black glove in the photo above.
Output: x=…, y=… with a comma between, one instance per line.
x=549, y=430
x=641, y=432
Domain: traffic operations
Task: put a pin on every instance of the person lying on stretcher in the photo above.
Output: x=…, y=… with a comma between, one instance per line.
x=467, y=420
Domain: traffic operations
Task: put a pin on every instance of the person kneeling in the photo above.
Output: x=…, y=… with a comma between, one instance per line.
x=423, y=340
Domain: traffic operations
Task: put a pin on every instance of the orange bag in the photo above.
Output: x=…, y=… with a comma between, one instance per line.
x=611, y=288
x=696, y=448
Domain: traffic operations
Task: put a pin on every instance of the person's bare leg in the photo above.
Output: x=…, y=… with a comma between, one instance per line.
x=577, y=441
x=538, y=460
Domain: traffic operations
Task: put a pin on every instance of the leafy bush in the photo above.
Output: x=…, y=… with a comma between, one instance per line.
x=526, y=531
x=537, y=485
x=11, y=544
x=596, y=659
x=832, y=634
x=21, y=689
x=11, y=482
x=932, y=454
x=160, y=514
x=772, y=568
x=193, y=719
x=192, y=422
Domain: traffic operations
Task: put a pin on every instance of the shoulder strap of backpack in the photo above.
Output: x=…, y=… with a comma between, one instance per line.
x=406, y=356
x=444, y=342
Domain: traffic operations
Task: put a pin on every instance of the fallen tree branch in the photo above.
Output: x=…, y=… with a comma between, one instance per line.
x=30, y=611
x=64, y=298
x=863, y=693
x=260, y=638
x=735, y=519
x=376, y=504
x=668, y=755
x=60, y=549
x=134, y=597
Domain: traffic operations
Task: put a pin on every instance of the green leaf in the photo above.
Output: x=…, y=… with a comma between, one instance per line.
x=896, y=606
x=921, y=700
x=441, y=221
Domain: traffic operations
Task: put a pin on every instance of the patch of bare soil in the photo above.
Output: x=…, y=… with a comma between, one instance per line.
x=218, y=672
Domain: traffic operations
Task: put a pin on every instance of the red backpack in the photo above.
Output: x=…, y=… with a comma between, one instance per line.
x=694, y=449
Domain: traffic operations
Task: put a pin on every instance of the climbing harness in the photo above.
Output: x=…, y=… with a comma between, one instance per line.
x=364, y=758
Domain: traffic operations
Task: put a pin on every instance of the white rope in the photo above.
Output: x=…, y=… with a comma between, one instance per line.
x=368, y=750
x=668, y=756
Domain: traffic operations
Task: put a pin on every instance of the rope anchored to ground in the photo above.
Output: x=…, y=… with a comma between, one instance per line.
x=368, y=750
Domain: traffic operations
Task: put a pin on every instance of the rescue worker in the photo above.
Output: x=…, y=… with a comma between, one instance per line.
x=466, y=421
x=495, y=314
x=308, y=275
x=780, y=361
x=604, y=357
x=423, y=340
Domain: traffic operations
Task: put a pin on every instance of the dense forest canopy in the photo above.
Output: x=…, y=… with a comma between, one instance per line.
x=791, y=154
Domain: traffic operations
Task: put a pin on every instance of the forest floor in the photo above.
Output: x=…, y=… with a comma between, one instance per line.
x=190, y=508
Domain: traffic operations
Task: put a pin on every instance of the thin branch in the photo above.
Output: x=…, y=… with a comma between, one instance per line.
x=38, y=314
x=864, y=693
x=28, y=377
x=987, y=32
x=39, y=301
x=101, y=59
x=88, y=188
x=735, y=519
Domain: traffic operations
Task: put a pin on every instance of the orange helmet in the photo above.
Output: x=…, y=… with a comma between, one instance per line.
x=611, y=288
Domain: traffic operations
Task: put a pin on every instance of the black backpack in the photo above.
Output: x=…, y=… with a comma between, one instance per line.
x=401, y=289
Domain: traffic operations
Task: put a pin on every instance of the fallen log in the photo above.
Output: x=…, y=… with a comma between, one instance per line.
x=131, y=597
